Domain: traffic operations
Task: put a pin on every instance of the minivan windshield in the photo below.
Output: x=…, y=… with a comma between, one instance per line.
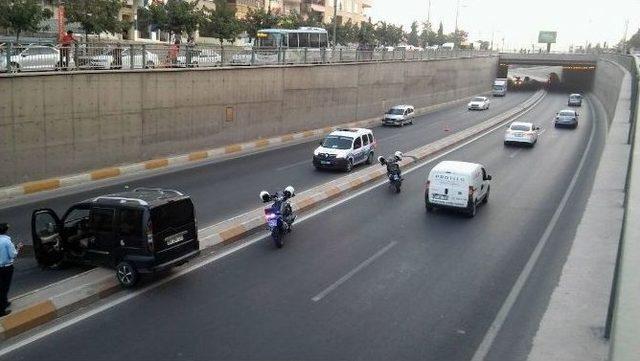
x=520, y=127
x=337, y=142
x=396, y=111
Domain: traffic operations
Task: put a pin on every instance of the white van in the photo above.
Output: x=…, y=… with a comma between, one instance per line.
x=457, y=185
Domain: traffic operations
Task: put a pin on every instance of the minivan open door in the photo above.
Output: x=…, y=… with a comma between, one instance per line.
x=47, y=238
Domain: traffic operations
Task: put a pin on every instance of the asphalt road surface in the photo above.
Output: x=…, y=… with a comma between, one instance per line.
x=221, y=190
x=374, y=278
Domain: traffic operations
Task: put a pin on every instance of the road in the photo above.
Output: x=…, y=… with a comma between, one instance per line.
x=224, y=189
x=374, y=278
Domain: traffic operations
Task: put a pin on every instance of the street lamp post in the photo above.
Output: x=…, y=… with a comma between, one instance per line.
x=335, y=21
x=456, y=44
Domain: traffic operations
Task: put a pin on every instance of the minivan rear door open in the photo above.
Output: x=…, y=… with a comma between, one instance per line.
x=46, y=233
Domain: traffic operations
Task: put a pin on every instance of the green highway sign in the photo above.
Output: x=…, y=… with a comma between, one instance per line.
x=547, y=37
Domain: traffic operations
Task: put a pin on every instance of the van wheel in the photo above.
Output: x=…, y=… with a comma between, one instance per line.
x=126, y=274
x=370, y=158
x=472, y=211
x=486, y=196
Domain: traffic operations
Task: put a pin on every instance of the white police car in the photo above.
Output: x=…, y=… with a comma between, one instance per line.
x=345, y=148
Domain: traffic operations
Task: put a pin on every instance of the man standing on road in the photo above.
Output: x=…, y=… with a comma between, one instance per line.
x=8, y=254
x=65, y=49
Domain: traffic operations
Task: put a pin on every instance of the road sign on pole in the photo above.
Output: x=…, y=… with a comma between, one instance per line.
x=547, y=37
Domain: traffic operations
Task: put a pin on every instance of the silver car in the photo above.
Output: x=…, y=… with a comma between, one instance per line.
x=31, y=58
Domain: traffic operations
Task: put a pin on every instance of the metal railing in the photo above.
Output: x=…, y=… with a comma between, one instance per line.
x=77, y=57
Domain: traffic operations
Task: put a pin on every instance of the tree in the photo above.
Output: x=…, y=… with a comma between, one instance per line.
x=366, y=35
x=345, y=33
x=175, y=16
x=96, y=16
x=413, y=38
x=634, y=40
x=427, y=36
x=257, y=19
x=388, y=34
x=458, y=37
x=484, y=45
x=23, y=15
x=440, y=38
x=292, y=20
x=222, y=23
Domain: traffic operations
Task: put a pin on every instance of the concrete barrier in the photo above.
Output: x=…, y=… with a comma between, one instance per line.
x=41, y=306
x=65, y=123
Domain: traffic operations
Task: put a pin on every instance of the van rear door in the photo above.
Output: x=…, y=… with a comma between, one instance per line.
x=448, y=189
x=174, y=231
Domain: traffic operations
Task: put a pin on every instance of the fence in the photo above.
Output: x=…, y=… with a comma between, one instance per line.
x=77, y=57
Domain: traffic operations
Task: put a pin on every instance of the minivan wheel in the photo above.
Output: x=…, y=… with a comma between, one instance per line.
x=349, y=166
x=126, y=274
x=370, y=158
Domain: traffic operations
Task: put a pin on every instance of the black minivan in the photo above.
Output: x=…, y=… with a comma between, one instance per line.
x=136, y=232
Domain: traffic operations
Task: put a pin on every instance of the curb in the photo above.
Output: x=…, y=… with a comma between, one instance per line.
x=238, y=227
x=261, y=144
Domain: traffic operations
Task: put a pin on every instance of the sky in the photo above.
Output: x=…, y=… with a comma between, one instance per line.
x=518, y=22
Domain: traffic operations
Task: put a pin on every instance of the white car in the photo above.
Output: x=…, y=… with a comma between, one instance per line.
x=345, y=148
x=521, y=133
x=201, y=57
x=479, y=103
x=457, y=185
x=399, y=115
x=32, y=57
x=108, y=60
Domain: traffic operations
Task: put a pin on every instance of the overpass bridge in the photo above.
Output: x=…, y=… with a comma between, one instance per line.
x=551, y=59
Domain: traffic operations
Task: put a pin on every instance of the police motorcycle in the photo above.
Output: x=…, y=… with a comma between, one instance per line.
x=393, y=170
x=279, y=215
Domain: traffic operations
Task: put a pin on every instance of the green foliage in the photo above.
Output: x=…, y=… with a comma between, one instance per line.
x=175, y=16
x=388, y=34
x=413, y=38
x=427, y=36
x=292, y=20
x=346, y=33
x=634, y=41
x=440, y=37
x=257, y=19
x=366, y=34
x=222, y=23
x=96, y=16
x=22, y=15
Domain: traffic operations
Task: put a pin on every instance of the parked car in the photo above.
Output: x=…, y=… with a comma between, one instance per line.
x=575, y=100
x=399, y=115
x=521, y=133
x=345, y=148
x=456, y=185
x=143, y=231
x=30, y=58
x=201, y=57
x=108, y=60
x=479, y=103
x=567, y=118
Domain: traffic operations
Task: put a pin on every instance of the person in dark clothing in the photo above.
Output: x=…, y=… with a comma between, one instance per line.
x=8, y=254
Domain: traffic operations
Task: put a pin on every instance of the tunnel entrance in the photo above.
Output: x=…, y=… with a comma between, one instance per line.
x=556, y=78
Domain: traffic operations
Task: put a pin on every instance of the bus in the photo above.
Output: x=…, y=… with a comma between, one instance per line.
x=288, y=46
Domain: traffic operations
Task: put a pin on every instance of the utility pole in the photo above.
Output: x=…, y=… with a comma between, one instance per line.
x=429, y=13
x=456, y=30
x=624, y=37
x=335, y=21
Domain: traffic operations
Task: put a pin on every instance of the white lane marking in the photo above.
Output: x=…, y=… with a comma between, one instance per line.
x=513, y=155
x=292, y=165
x=239, y=246
x=501, y=317
x=351, y=273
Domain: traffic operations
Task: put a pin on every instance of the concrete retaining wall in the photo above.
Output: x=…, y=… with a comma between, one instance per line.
x=606, y=86
x=59, y=124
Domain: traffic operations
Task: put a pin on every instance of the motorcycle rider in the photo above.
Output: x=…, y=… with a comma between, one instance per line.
x=392, y=164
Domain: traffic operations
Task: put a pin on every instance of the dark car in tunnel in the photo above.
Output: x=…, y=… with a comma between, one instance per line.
x=567, y=118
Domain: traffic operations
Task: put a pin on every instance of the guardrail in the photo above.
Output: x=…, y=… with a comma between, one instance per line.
x=33, y=57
